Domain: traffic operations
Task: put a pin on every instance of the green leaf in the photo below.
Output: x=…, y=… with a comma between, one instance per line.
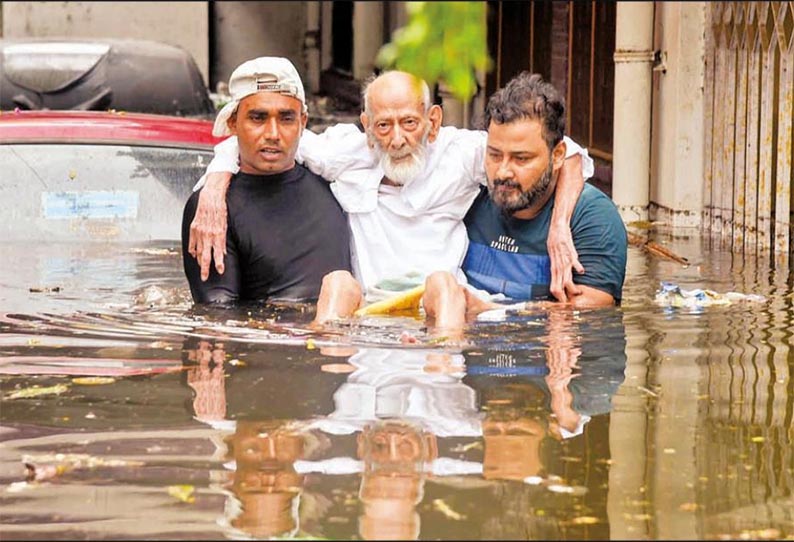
x=442, y=41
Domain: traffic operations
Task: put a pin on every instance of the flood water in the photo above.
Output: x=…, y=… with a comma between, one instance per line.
x=127, y=414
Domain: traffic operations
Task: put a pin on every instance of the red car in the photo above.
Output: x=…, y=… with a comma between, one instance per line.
x=79, y=176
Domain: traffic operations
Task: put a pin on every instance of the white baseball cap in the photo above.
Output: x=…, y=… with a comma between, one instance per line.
x=263, y=74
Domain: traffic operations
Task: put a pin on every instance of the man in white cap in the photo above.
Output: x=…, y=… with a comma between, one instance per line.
x=285, y=230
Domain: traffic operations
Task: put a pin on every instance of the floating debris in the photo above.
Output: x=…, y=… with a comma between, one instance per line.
x=585, y=520
x=658, y=250
x=44, y=289
x=40, y=473
x=183, y=493
x=75, y=461
x=576, y=491
x=672, y=295
x=37, y=391
x=155, y=251
x=445, y=509
x=463, y=448
x=93, y=380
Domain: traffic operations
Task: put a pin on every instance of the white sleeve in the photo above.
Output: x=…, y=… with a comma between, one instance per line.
x=339, y=149
x=572, y=147
x=226, y=158
x=583, y=419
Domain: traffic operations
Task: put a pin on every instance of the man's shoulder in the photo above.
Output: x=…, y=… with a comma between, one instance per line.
x=593, y=199
x=481, y=205
x=597, y=210
x=307, y=175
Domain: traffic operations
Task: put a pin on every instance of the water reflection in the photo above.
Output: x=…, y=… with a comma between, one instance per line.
x=638, y=422
x=413, y=417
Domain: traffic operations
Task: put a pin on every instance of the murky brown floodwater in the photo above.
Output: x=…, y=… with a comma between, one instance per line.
x=145, y=419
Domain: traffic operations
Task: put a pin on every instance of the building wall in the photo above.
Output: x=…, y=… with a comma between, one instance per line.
x=677, y=117
x=245, y=30
x=184, y=24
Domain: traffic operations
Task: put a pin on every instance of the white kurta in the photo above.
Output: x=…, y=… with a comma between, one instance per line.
x=399, y=234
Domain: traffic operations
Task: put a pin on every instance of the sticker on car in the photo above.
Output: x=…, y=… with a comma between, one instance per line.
x=90, y=204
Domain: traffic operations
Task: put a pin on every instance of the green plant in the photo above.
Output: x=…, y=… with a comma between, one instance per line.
x=442, y=41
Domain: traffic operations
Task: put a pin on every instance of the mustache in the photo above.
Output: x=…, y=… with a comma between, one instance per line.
x=506, y=182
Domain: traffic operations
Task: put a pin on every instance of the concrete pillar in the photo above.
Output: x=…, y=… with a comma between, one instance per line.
x=246, y=30
x=677, y=167
x=311, y=47
x=632, y=128
x=326, y=38
x=367, y=37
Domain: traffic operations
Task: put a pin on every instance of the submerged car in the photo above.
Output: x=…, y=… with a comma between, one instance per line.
x=88, y=176
x=100, y=74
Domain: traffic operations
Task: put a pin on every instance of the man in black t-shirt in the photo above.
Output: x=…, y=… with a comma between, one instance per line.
x=285, y=229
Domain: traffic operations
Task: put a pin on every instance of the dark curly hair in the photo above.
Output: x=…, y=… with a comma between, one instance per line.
x=528, y=96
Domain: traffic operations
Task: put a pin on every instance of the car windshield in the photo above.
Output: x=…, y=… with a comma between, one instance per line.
x=90, y=191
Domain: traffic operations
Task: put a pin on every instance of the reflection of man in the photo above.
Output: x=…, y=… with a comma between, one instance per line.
x=509, y=223
x=285, y=230
x=265, y=483
x=554, y=395
x=406, y=185
x=392, y=484
x=417, y=385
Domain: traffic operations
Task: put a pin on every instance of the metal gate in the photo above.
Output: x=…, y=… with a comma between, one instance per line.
x=749, y=99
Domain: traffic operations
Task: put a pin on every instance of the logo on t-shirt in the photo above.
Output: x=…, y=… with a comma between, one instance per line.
x=505, y=243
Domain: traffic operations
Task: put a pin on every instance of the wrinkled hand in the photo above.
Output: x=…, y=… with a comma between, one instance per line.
x=564, y=259
x=208, y=230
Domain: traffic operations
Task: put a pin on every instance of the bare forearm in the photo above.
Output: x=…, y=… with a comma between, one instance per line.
x=569, y=186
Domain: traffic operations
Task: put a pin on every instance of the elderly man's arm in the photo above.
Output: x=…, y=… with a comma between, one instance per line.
x=215, y=288
x=578, y=166
x=207, y=232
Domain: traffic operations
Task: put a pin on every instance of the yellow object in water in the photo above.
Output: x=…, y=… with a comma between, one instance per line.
x=407, y=300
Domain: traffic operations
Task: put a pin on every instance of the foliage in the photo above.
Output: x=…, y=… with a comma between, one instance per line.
x=442, y=41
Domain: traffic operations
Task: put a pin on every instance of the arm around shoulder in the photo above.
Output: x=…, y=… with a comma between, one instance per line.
x=214, y=287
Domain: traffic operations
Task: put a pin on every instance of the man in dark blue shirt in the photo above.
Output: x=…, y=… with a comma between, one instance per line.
x=285, y=229
x=508, y=223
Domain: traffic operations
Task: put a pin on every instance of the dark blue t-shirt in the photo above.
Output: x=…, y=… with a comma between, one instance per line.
x=508, y=255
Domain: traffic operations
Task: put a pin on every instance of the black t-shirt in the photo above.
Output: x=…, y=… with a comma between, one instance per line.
x=285, y=232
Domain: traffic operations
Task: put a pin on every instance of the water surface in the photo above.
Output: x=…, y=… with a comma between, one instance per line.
x=147, y=418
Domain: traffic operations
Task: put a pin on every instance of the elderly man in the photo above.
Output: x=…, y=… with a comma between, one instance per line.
x=285, y=229
x=509, y=222
x=406, y=185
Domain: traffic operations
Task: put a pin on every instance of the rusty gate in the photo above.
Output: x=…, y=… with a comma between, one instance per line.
x=749, y=99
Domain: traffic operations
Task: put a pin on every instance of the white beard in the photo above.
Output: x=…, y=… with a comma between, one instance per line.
x=408, y=168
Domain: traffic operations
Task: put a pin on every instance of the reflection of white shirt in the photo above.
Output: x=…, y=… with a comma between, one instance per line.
x=394, y=383
x=414, y=229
